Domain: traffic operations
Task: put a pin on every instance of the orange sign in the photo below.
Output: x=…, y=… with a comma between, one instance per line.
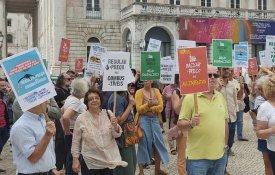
x=193, y=70
x=252, y=66
x=78, y=65
x=64, y=50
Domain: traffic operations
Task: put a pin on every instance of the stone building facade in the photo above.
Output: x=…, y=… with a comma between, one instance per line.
x=127, y=25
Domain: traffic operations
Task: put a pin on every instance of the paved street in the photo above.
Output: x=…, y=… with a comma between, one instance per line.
x=247, y=159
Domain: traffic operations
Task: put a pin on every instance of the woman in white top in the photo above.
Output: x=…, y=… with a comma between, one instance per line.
x=72, y=107
x=266, y=119
x=94, y=139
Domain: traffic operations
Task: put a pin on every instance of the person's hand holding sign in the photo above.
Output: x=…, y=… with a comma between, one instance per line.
x=195, y=120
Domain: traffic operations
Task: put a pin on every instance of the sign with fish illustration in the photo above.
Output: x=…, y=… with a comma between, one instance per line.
x=28, y=78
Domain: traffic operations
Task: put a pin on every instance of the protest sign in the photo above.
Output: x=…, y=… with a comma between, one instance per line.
x=243, y=43
x=154, y=45
x=117, y=73
x=222, y=53
x=263, y=59
x=252, y=66
x=270, y=49
x=193, y=70
x=240, y=55
x=179, y=45
x=150, y=66
x=95, y=61
x=78, y=63
x=167, y=70
x=28, y=78
x=237, y=71
x=64, y=50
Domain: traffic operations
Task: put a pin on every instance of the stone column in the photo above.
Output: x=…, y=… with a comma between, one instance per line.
x=3, y=28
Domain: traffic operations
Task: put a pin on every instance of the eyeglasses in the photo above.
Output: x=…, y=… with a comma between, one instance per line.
x=213, y=75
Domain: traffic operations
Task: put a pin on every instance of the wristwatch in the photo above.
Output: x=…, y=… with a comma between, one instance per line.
x=226, y=147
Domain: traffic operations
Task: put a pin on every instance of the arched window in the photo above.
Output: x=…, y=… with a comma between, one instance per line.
x=91, y=41
x=128, y=41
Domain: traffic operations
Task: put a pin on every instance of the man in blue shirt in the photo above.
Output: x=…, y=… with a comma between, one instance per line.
x=32, y=143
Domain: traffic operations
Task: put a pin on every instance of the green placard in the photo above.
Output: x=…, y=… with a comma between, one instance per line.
x=222, y=53
x=150, y=66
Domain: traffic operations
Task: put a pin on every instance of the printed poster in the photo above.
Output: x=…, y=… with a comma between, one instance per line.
x=182, y=44
x=270, y=49
x=167, y=70
x=241, y=55
x=78, y=63
x=150, y=66
x=64, y=50
x=263, y=59
x=95, y=61
x=222, y=53
x=28, y=78
x=117, y=73
x=252, y=67
x=154, y=45
x=193, y=70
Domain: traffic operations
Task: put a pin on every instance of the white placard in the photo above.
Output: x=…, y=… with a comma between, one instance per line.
x=270, y=50
x=182, y=44
x=28, y=78
x=167, y=70
x=117, y=73
x=154, y=45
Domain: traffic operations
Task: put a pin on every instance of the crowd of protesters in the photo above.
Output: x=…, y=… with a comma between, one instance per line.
x=85, y=135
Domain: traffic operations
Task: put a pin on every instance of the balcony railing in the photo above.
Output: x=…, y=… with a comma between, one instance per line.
x=138, y=8
x=93, y=12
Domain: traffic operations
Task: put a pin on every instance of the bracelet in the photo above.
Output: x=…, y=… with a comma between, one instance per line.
x=190, y=125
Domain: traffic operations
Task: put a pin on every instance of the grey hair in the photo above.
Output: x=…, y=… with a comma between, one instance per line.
x=79, y=87
x=260, y=82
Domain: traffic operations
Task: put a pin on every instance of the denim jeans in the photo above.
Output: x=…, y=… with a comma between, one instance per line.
x=207, y=167
x=69, y=157
x=240, y=124
x=232, y=129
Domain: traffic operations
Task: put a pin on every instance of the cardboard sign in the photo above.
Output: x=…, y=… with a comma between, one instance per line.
x=222, y=53
x=252, y=67
x=150, y=66
x=167, y=70
x=64, y=50
x=95, y=61
x=78, y=63
x=28, y=78
x=117, y=73
x=154, y=45
x=193, y=70
x=240, y=55
x=179, y=45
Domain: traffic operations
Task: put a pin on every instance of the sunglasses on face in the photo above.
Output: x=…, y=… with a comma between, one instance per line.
x=213, y=75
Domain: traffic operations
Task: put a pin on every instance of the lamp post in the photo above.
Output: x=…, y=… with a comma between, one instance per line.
x=1, y=42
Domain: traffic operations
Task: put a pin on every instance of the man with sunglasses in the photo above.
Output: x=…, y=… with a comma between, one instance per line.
x=207, y=130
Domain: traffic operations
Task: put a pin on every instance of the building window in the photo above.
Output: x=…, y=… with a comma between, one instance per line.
x=141, y=0
x=262, y=5
x=9, y=38
x=93, y=9
x=235, y=4
x=206, y=3
x=9, y=22
x=175, y=2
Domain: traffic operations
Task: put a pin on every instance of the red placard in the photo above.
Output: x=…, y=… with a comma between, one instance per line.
x=252, y=66
x=193, y=70
x=78, y=65
x=64, y=50
x=237, y=71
